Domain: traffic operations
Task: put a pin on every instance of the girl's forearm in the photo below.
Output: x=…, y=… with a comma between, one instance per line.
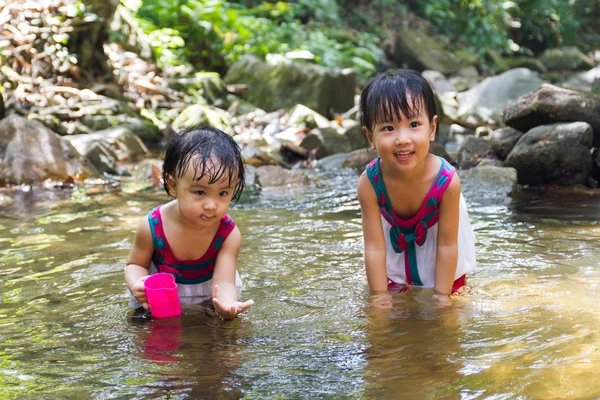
x=133, y=272
x=445, y=268
x=376, y=270
x=227, y=292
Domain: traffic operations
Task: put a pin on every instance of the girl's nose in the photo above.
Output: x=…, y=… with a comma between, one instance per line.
x=401, y=137
x=210, y=204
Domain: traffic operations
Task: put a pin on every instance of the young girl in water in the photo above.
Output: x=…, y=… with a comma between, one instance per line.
x=192, y=237
x=415, y=222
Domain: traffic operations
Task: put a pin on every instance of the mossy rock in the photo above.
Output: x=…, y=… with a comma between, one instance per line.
x=420, y=51
x=528, y=62
x=283, y=83
x=200, y=114
x=570, y=58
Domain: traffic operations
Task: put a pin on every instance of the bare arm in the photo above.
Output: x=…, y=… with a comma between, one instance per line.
x=447, y=242
x=375, y=252
x=224, y=293
x=138, y=262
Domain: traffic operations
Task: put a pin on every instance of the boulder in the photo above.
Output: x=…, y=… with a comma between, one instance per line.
x=104, y=149
x=30, y=153
x=485, y=102
x=283, y=83
x=550, y=104
x=553, y=154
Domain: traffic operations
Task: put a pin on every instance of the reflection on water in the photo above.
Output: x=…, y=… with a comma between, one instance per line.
x=528, y=327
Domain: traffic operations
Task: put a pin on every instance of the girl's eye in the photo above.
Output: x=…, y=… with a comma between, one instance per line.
x=387, y=128
x=223, y=194
x=414, y=124
x=200, y=192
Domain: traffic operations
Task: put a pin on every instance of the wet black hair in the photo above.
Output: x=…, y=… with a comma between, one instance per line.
x=386, y=96
x=209, y=151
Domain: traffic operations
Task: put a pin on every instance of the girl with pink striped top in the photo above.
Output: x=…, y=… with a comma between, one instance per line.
x=192, y=237
x=415, y=222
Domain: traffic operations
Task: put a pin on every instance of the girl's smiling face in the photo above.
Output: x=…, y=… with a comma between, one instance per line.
x=201, y=201
x=403, y=143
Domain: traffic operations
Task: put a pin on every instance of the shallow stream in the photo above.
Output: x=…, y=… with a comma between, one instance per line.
x=529, y=326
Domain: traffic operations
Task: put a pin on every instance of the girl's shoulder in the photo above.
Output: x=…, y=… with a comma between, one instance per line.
x=440, y=168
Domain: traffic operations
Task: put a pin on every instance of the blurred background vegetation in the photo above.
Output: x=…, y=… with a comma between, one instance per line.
x=210, y=34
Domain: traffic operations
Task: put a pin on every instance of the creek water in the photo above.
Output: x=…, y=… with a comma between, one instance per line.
x=528, y=327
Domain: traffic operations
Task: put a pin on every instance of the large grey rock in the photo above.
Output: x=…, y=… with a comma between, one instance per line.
x=553, y=154
x=30, y=153
x=485, y=102
x=504, y=139
x=550, y=104
x=283, y=83
x=104, y=149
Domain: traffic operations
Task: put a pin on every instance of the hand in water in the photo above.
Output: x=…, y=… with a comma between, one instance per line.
x=229, y=309
x=441, y=300
x=382, y=301
x=139, y=292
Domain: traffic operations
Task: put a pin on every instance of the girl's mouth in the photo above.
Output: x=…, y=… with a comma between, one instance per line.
x=403, y=154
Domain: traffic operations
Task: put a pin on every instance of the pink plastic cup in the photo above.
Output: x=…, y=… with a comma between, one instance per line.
x=161, y=291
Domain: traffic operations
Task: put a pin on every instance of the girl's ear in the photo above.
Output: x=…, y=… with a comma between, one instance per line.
x=369, y=135
x=433, y=127
x=171, y=184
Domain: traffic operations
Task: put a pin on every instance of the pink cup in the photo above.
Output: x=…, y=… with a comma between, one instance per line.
x=161, y=291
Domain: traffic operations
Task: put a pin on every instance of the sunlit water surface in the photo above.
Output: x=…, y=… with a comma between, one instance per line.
x=529, y=326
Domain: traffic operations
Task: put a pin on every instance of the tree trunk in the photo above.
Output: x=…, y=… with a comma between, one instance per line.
x=87, y=42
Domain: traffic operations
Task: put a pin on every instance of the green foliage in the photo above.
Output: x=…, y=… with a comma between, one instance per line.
x=212, y=33
x=477, y=23
x=543, y=23
x=520, y=26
